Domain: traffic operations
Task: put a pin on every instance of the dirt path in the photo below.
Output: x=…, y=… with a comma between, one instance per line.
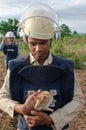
x=79, y=123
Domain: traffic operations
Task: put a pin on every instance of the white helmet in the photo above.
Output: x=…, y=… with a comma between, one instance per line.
x=39, y=21
x=9, y=34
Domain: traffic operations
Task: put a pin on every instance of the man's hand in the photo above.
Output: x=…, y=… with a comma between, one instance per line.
x=4, y=40
x=28, y=105
x=38, y=118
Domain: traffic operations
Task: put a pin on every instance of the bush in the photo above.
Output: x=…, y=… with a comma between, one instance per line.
x=75, y=52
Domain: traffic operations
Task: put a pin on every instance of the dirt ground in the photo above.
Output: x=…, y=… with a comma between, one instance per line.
x=79, y=123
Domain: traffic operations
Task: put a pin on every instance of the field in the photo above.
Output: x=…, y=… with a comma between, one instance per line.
x=79, y=123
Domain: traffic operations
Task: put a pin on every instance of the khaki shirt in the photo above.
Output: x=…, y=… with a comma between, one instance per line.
x=61, y=116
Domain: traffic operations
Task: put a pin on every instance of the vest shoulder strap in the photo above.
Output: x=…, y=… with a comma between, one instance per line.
x=18, y=63
x=63, y=62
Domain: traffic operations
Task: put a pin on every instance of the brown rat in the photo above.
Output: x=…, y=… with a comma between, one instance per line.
x=43, y=101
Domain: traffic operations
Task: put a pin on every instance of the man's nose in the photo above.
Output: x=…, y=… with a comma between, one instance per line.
x=38, y=48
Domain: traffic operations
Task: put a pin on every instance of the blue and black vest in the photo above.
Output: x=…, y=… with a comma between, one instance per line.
x=10, y=51
x=57, y=77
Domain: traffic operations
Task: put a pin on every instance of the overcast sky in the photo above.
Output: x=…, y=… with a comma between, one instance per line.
x=70, y=12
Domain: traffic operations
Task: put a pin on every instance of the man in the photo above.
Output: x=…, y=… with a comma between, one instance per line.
x=9, y=47
x=41, y=70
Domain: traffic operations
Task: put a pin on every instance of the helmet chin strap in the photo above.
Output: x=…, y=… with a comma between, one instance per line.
x=57, y=33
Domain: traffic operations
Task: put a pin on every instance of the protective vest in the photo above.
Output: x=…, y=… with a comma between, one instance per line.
x=58, y=78
x=10, y=51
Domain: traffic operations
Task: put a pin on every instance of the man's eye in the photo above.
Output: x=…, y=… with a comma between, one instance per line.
x=32, y=44
x=44, y=42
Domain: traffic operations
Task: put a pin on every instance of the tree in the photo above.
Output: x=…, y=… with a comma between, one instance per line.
x=75, y=33
x=10, y=25
x=65, y=31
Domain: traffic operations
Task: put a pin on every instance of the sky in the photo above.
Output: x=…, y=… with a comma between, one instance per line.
x=70, y=12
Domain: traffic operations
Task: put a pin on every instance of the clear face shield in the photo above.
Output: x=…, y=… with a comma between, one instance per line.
x=40, y=21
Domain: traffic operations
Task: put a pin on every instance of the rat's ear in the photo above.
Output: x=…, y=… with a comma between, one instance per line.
x=44, y=97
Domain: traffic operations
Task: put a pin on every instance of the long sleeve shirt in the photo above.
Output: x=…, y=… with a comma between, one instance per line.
x=61, y=116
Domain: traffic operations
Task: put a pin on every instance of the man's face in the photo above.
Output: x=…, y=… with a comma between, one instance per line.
x=10, y=40
x=39, y=48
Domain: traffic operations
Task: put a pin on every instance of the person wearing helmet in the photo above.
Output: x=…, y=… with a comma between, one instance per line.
x=41, y=70
x=9, y=47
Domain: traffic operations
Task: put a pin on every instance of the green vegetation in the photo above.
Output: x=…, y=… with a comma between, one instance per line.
x=24, y=49
x=73, y=48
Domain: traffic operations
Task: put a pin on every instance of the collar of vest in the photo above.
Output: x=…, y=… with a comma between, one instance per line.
x=46, y=73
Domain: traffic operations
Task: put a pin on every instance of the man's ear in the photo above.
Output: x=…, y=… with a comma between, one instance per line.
x=25, y=38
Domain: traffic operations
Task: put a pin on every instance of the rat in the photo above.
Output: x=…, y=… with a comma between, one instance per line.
x=43, y=101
